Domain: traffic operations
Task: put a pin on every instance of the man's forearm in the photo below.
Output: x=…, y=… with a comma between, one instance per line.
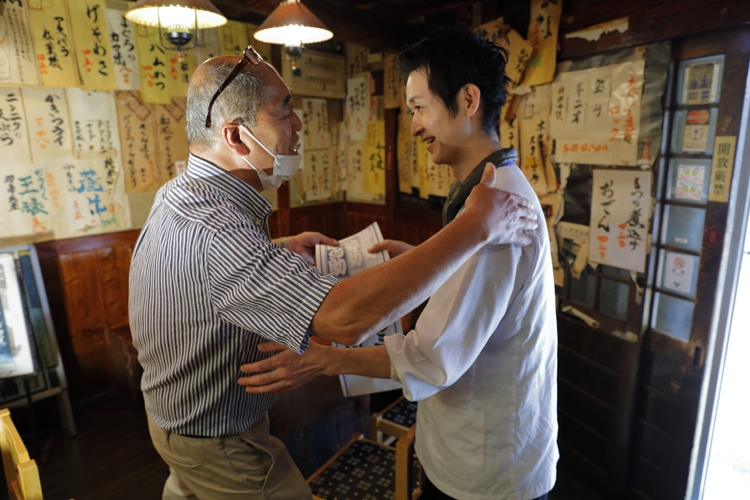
x=365, y=361
x=372, y=299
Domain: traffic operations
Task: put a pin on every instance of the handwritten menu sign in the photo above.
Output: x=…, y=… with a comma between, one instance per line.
x=93, y=51
x=721, y=169
x=18, y=64
x=315, y=118
x=53, y=41
x=233, y=38
x=620, y=211
x=596, y=114
x=358, y=106
x=317, y=175
x=14, y=140
x=534, y=124
x=393, y=85
x=154, y=69
x=93, y=119
x=138, y=141
x=544, y=26
x=403, y=153
x=48, y=123
x=124, y=52
x=356, y=59
x=375, y=158
x=171, y=144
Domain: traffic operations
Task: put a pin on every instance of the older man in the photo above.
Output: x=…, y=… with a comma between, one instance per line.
x=482, y=359
x=207, y=284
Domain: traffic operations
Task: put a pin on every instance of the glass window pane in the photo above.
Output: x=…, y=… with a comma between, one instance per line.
x=672, y=316
x=613, y=299
x=617, y=272
x=582, y=290
x=678, y=272
x=683, y=227
x=699, y=80
x=694, y=131
x=688, y=180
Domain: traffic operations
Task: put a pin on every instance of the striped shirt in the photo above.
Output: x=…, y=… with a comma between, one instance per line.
x=207, y=285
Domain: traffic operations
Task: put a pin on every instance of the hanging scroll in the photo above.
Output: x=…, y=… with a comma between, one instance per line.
x=358, y=106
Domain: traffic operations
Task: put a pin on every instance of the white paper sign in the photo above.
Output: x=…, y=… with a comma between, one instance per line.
x=678, y=272
x=596, y=114
x=358, y=106
x=620, y=210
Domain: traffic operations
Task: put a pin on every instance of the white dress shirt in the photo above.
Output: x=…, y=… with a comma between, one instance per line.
x=482, y=362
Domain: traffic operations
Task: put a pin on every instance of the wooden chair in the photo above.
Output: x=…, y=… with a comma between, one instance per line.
x=367, y=470
x=396, y=420
x=21, y=473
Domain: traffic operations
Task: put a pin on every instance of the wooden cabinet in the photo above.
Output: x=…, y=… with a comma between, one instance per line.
x=87, y=287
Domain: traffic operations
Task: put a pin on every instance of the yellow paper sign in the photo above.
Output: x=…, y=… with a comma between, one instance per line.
x=543, y=31
x=53, y=41
x=93, y=51
x=403, y=154
x=233, y=36
x=374, y=164
x=153, y=60
x=721, y=169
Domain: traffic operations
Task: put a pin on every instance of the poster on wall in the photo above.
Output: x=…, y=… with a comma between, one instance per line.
x=620, y=211
x=15, y=345
x=596, y=114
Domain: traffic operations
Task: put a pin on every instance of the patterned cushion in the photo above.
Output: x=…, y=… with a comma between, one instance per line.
x=404, y=413
x=365, y=471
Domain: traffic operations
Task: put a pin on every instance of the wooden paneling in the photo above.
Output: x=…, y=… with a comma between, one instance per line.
x=87, y=285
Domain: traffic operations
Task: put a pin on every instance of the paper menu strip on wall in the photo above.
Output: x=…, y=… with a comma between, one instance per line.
x=93, y=50
x=53, y=41
x=18, y=64
x=49, y=126
x=124, y=52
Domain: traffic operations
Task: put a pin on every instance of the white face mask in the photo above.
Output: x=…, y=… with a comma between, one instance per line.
x=284, y=166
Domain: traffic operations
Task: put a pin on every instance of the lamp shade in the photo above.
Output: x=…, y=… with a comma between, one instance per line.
x=292, y=24
x=176, y=13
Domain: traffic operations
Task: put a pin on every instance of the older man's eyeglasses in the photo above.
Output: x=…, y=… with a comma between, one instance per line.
x=249, y=56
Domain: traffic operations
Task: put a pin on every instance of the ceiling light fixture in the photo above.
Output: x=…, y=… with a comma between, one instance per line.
x=292, y=25
x=178, y=21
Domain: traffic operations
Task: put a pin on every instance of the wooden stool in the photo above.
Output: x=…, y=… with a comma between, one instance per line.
x=367, y=470
x=396, y=420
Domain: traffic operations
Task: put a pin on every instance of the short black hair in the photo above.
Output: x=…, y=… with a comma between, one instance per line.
x=455, y=55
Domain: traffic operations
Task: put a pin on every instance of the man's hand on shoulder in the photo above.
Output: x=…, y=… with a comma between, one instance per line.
x=507, y=217
x=304, y=244
x=285, y=371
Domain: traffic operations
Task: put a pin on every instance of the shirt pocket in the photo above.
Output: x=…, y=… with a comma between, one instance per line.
x=454, y=439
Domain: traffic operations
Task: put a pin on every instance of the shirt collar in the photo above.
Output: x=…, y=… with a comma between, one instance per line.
x=236, y=190
x=459, y=191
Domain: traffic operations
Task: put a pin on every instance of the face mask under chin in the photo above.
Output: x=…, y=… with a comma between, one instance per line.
x=284, y=166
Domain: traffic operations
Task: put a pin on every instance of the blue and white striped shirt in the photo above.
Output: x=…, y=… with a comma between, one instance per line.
x=207, y=285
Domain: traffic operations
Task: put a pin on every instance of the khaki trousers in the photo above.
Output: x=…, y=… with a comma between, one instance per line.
x=252, y=465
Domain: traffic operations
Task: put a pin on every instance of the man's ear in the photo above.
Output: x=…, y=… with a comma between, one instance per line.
x=469, y=99
x=230, y=134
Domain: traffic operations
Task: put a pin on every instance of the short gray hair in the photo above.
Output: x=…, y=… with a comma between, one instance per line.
x=241, y=100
